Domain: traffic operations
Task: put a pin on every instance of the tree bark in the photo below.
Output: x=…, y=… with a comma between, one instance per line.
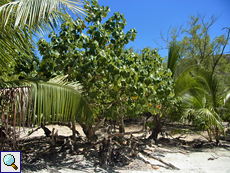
x=209, y=135
x=121, y=125
x=156, y=129
x=74, y=129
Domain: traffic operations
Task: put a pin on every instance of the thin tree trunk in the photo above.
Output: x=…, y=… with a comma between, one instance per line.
x=156, y=129
x=7, y=116
x=121, y=121
x=209, y=135
x=222, y=52
x=69, y=76
x=73, y=129
x=14, y=120
x=217, y=135
x=121, y=125
x=73, y=120
x=3, y=110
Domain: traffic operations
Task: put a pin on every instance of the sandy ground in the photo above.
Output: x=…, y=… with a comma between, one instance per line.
x=186, y=158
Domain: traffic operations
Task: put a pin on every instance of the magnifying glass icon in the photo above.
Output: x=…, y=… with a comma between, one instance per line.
x=9, y=160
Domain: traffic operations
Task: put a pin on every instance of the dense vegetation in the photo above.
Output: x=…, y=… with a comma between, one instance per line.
x=117, y=83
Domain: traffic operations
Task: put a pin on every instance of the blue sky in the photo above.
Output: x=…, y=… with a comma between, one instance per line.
x=152, y=17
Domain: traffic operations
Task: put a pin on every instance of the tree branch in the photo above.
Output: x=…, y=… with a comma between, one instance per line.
x=215, y=64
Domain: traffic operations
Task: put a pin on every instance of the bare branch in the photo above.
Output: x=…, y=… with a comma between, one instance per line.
x=226, y=42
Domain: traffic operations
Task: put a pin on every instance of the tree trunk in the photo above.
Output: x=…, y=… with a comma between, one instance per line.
x=209, y=135
x=74, y=129
x=156, y=129
x=154, y=134
x=217, y=135
x=121, y=125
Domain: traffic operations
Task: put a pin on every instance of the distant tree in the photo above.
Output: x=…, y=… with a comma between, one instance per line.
x=196, y=42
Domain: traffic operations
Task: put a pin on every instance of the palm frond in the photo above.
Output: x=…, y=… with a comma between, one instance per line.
x=50, y=102
x=209, y=83
x=20, y=19
x=11, y=43
x=177, y=64
x=180, y=69
x=185, y=66
x=213, y=118
x=194, y=99
x=195, y=103
x=33, y=11
x=184, y=83
x=227, y=96
x=173, y=56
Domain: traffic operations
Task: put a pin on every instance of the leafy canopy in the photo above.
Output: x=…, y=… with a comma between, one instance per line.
x=119, y=82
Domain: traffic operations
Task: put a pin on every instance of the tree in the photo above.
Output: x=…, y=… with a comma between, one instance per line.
x=204, y=105
x=196, y=42
x=118, y=82
x=198, y=49
x=198, y=89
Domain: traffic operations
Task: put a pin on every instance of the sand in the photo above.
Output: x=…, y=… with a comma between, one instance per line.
x=186, y=158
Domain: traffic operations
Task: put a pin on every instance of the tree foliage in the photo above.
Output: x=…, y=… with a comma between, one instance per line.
x=118, y=82
x=196, y=47
x=196, y=42
x=20, y=20
x=201, y=103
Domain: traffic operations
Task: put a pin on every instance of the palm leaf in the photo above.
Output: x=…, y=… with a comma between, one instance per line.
x=194, y=99
x=209, y=83
x=227, y=96
x=32, y=12
x=22, y=19
x=11, y=43
x=184, y=83
x=52, y=102
x=213, y=118
x=173, y=56
x=181, y=69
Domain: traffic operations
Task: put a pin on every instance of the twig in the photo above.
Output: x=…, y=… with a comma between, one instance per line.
x=160, y=160
x=178, y=137
x=212, y=158
x=153, y=165
x=68, y=144
x=33, y=131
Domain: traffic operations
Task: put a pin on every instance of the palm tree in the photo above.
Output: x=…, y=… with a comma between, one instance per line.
x=203, y=105
x=199, y=92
